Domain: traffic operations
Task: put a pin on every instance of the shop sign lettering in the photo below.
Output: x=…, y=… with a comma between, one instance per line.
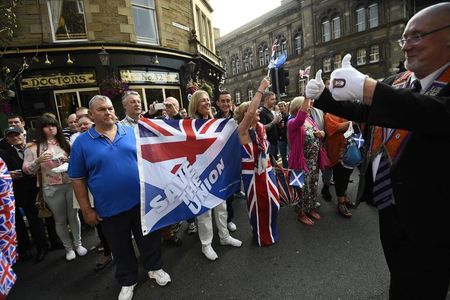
x=58, y=80
x=137, y=76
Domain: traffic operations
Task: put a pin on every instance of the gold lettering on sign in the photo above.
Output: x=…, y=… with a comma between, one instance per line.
x=58, y=80
x=137, y=76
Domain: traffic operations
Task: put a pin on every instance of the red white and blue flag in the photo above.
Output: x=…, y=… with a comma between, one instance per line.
x=186, y=167
x=8, y=240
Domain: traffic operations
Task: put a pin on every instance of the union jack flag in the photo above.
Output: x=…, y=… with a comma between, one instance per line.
x=8, y=241
x=186, y=167
x=262, y=194
x=288, y=195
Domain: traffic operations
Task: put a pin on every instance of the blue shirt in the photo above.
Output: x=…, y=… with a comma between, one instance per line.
x=110, y=169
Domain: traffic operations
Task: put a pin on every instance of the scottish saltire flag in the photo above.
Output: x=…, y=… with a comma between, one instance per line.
x=288, y=195
x=297, y=178
x=186, y=167
x=358, y=138
x=8, y=241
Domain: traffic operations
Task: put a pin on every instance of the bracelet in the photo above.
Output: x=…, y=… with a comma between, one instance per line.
x=258, y=91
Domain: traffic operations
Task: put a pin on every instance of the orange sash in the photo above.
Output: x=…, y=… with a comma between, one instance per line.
x=394, y=139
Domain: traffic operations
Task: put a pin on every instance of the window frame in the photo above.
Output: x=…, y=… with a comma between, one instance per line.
x=361, y=59
x=326, y=30
x=333, y=27
x=370, y=19
x=53, y=30
x=145, y=40
x=375, y=55
x=326, y=64
x=298, y=45
x=337, y=61
x=360, y=25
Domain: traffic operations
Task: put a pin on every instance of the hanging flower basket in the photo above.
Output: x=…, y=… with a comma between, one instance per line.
x=113, y=88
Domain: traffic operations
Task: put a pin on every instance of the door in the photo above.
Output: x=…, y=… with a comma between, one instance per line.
x=67, y=101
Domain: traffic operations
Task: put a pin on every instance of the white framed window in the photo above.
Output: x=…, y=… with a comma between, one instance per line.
x=326, y=31
x=373, y=15
x=266, y=55
x=337, y=61
x=360, y=19
x=250, y=57
x=336, y=27
x=298, y=43
x=261, y=56
x=284, y=47
x=327, y=64
x=238, y=65
x=374, y=54
x=67, y=20
x=144, y=16
x=237, y=97
x=301, y=86
x=361, y=56
x=250, y=94
x=246, y=63
x=233, y=66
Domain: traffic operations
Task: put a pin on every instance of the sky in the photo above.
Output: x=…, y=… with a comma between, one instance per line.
x=231, y=14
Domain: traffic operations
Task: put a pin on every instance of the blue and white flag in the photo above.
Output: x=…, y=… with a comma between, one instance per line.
x=297, y=179
x=186, y=167
x=358, y=138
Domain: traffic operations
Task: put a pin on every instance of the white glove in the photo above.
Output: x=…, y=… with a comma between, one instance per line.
x=347, y=83
x=315, y=87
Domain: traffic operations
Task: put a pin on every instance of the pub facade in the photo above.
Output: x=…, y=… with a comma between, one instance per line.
x=65, y=52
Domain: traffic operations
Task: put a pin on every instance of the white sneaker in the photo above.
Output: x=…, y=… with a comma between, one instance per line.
x=161, y=277
x=231, y=226
x=231, y=241
x=61, y=169
x=70, y=255
x=126, y=293
x=81, y=251
x=209, y=252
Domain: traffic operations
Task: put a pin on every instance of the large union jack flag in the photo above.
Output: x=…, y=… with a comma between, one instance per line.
x=262, y=193
x=8, y=241
x=186, y=167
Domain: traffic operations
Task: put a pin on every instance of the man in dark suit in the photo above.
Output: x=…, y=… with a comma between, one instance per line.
x=412, y=197
x=25, y=192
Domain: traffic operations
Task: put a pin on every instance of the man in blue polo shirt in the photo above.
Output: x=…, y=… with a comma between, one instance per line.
x=104, y=159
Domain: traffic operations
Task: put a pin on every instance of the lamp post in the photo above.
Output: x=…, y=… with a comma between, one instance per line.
x=190, y=68
x=104, y=60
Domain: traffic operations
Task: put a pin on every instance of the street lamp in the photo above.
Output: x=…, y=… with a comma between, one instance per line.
x=191, y=67
x=104, y=57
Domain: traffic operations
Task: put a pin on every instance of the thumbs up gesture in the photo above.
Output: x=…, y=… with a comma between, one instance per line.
x=347, y=83
x=315, y=87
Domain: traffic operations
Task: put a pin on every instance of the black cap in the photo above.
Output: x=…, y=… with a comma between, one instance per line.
x=12, y=130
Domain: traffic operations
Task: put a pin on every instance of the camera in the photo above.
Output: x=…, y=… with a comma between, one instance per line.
x=159, y=106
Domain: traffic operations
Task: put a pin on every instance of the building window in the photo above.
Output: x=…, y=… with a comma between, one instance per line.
x=298, y=43
x=144, y=17
x=248, y=60
x=284, y=46
x=250, y=94
x=233, y=66
x=361, y=56
x=374, y=55
x=373, y=15
x=336, y=27
x=238, y=65
x=301, y=86
x=237, y=97
x=326, y=31
x=337, y=61
x=360, y=19
x=327, y=64
x=261, y=56
x=267, y=55
x=67, y=20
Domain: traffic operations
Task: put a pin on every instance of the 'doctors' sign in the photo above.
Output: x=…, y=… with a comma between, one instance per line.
x=58, y=80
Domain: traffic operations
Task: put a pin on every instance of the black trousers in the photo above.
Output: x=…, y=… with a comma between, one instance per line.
x=412, y=274
x=26, y=200
x=117, y=230
x=230, y=209
x=341, y=176
x=103, y=241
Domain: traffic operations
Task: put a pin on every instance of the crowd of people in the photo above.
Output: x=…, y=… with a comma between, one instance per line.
x=81, y=168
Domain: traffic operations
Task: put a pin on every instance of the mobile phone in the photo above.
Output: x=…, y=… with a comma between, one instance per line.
x=159, y=106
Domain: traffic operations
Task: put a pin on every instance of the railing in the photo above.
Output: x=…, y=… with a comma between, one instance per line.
x=202, y=50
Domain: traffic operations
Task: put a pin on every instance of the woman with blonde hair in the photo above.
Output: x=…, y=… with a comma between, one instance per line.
x=200, y=108
x=257, y=174
x=304, y=141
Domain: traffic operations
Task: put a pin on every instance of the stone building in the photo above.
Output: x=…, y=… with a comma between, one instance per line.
x=66, y=51
x=317, y=34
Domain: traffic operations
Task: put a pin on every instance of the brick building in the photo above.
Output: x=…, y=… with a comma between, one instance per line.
x=71, y=50
x=317, y=34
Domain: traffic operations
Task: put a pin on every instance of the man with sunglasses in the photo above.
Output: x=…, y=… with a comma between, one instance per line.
x=409, y=146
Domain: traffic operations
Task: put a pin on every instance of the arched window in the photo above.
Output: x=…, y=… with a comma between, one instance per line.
x=233, y=66
x=248, y=60
x=238, y=65
x=298, y=43
x=282, y=46
x=262, y=53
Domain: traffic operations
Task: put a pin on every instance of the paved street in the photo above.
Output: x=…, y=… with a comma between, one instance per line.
x=334, y=259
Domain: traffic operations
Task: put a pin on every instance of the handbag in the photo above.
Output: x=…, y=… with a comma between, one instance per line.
x=43, y=211
x=352, y=156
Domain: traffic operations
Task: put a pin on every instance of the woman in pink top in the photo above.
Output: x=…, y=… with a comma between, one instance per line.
x=57, y=189
x=304, y=142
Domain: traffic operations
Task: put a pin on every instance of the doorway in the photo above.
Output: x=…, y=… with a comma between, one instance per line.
x=67, y=101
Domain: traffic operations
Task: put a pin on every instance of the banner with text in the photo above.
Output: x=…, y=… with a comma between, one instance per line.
x=186, y=167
